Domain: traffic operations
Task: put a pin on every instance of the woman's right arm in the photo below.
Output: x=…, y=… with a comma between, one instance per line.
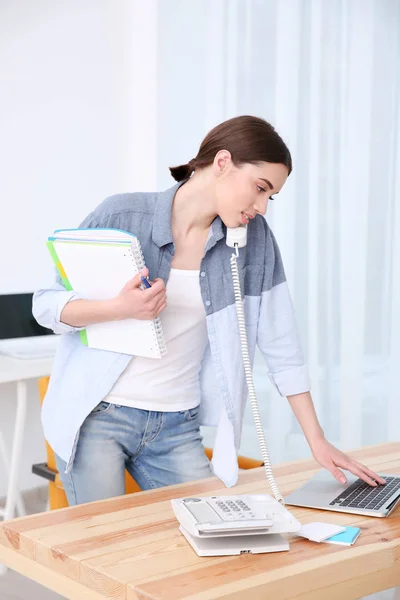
x=131, y=303
x=66, y=312
x=80, y=313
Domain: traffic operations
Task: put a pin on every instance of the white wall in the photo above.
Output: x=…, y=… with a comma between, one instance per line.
x=78, y=122
x=70, y=113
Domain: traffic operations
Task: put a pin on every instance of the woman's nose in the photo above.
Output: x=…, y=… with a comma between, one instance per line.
x=261, y=206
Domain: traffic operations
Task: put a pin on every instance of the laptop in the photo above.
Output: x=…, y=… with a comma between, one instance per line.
x=356, y=496
x=20, y=334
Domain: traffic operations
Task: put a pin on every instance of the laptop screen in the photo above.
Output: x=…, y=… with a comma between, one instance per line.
x=16, y=319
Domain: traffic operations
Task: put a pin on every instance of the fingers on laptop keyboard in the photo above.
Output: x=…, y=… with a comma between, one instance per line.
x=367, y=475
x=374, y=475
x=358, y=470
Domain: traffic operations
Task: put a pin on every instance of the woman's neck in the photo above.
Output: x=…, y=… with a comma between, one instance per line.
x=193, y=209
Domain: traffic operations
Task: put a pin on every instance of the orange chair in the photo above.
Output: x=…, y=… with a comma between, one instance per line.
x=48, y=470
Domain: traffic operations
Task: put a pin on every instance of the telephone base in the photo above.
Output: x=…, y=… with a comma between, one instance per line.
x=242, y=544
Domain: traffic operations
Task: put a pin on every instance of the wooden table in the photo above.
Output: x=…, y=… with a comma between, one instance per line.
x=129, y=548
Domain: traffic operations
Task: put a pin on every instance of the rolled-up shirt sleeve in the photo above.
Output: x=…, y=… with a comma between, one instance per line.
x=48, y=304
x=277, y=335
x=49, y=301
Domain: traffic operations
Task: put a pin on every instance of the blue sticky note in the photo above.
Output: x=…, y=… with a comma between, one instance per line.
x=346, y=538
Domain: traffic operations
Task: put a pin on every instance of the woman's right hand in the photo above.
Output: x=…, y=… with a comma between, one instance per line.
x=135, y=303
x=131, y=303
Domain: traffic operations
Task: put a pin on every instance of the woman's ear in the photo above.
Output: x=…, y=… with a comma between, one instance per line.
x=222, y=162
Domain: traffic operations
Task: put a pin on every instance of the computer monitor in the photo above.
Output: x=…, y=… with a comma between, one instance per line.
x=16, y=319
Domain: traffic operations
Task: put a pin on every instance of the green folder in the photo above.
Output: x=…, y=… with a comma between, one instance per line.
x=65, y=281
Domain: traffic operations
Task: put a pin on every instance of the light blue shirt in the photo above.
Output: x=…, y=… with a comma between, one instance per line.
x=82, y=376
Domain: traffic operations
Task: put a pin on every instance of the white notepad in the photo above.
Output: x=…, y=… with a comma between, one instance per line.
x=97, y=263
x=319, y=532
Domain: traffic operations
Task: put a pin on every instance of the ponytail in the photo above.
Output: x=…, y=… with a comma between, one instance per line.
x=183, y=171
x=249, y=140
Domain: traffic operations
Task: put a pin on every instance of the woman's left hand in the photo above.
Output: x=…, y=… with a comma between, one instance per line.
x=332, y=459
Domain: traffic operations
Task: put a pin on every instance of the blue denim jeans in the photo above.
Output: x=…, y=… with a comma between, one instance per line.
x=157, y=448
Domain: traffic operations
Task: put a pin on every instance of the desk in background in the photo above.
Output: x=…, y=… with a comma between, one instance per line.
x=130, y=548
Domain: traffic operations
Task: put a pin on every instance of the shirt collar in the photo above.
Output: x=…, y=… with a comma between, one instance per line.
x=217, y=232
x=162, y=224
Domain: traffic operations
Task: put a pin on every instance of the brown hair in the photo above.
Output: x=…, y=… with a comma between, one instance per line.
x=248, y=139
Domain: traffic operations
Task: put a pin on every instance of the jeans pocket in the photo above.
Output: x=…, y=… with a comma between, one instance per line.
x=102, y=407
x=192, y=413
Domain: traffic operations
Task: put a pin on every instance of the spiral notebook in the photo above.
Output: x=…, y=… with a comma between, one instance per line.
x=97, y=263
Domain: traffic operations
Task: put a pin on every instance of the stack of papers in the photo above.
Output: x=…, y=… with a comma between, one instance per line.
x=319, y=532
x=331, y=534
x=346, y=538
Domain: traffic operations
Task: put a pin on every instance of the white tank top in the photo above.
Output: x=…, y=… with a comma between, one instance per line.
x=172, y=382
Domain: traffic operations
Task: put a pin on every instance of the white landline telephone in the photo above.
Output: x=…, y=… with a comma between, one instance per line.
x=226, y=525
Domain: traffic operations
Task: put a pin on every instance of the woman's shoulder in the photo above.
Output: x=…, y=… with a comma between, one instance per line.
x=132, y=208
x=120, y=208
x=130, y=202
x=259, y=234
x=262, y=244
x=264, y=232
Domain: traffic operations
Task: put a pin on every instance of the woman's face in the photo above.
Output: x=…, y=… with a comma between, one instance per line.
x=243, y=192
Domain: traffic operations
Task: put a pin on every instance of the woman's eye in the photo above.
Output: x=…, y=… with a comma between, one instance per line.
x=261, y=189
x=271, y=198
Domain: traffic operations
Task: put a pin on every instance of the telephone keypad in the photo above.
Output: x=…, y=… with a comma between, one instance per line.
x=233, y=509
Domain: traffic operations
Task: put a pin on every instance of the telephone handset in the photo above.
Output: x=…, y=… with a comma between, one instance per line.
x=236, y=237
x=256, y=516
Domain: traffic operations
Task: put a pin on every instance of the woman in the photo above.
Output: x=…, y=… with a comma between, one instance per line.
x=104, y=411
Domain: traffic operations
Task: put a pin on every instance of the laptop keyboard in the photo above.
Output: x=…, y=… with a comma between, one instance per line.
x=361, y=495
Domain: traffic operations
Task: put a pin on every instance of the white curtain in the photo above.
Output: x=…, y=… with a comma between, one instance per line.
x=327, y=75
